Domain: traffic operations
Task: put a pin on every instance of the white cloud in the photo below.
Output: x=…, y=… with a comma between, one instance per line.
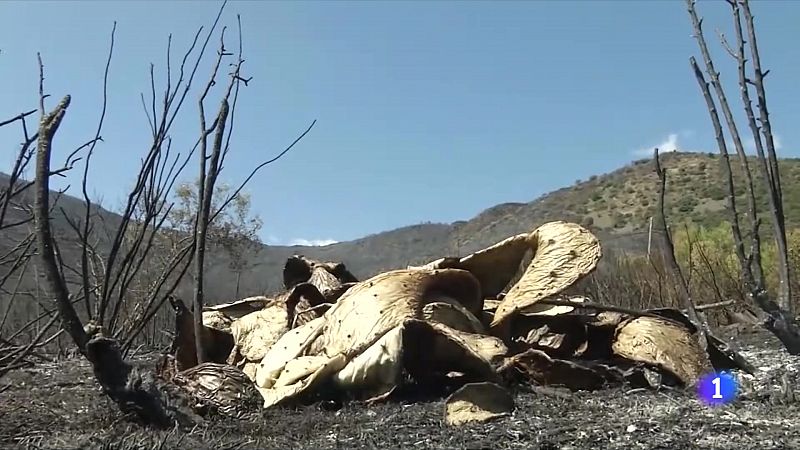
x=272, y=239
x=312, y=242
x=670, y=144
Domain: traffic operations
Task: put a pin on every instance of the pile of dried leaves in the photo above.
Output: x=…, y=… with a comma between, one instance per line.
x=454, y=321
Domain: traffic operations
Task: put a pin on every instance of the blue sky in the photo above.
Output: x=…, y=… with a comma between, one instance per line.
x=427, y=111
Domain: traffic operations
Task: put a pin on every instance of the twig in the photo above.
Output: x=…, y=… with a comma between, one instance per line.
x=20, y=117
x=84, y=237
x=714, y=305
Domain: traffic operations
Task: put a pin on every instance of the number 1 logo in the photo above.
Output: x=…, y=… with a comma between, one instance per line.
x=717, y=383
x=717, y=388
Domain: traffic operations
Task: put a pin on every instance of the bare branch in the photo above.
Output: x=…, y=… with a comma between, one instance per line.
x=259, y=167
x=756, y=266
x=19, y=117
x=48, y=126
x=769, y=165
x=84, y=236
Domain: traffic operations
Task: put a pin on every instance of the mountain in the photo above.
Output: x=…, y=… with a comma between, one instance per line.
x=616, y=206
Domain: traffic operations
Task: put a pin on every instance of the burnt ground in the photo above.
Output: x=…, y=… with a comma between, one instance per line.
x=58, y=405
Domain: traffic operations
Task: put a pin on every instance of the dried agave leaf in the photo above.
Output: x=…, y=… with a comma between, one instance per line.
x=433, y=349
x=607, y=319
x=496, y=266
x=333, y=295
x=378, y=370
x=285, y=372
x=239, y=308
x=449, y=312
x=540, y=309
x=675, y=315
x=662, y=343
x=489, y=349
x=448, y=262
x=255, y=333
x=299, y=269
x=539, y=367
x=217, y=320
x=490, y=304
x=543, y=337
x=375, y=372
x=300, y=376
x=478, y=402
x=373, y=307
x=564, y=253
x=722, y=356
x=305, y=303
x=291, y=345
x=323, y=280
x=362, y=339
x=582, y=349
x=328, y=284
x=560, y=336
x=537, y=333
x=250, y=369
x=300, y=368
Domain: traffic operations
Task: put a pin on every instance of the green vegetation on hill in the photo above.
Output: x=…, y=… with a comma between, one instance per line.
x=622, y=201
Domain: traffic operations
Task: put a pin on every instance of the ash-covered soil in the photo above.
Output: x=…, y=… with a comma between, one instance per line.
x=59, y=405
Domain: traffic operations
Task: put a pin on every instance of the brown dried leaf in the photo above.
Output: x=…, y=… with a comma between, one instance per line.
x=434, y=349
x=291, y=345
x=373, y=307
x=539, y=309
x=255, y=333
x=239, y=308
x=217, y=320
x=477, y=402
x=564, y=253
x=449, y=312
x=299, y=269
x=607, y=319
x=496, y=266
x=664, y=344
x=376, y=371
x=299, y=376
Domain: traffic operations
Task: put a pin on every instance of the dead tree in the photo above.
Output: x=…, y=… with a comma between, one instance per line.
x=669, y=254
x=777, y=313
x=16, y=216
x=105, y=278
x=211, y=164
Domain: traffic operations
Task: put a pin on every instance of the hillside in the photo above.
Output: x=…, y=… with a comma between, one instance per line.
x=616, y=206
